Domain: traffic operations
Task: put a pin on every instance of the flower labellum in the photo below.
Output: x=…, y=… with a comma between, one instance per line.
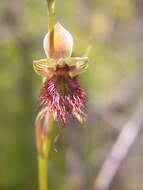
x=64, y=97
x=58, y=43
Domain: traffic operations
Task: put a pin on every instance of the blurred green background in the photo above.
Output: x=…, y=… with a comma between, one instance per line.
x=116, y=27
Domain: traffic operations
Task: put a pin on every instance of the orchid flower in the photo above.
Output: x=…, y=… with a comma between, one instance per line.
x=61, y=93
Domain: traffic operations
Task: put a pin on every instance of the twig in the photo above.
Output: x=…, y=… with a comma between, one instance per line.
x=119, y=150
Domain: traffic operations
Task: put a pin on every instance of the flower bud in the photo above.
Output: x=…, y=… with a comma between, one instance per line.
x=58, y=43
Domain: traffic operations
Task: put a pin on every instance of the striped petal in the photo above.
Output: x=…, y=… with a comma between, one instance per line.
x=77, y=65
x=44, y=67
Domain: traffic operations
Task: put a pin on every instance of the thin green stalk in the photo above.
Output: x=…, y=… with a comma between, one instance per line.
x=42, y=162
x=51, y=21
x=51, y=13
x=43, y=158
x=47, y=130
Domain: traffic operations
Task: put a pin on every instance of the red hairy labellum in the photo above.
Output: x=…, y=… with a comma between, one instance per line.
x=64, y=96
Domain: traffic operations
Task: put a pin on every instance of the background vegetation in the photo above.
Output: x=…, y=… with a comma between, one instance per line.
x=113, y=83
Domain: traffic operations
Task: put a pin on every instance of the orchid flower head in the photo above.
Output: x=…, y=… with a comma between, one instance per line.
x=61, y=93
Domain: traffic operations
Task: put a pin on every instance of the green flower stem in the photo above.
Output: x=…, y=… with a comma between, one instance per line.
x=51, y=13
x=51, y=21
x=43, y=158
x=42, y=161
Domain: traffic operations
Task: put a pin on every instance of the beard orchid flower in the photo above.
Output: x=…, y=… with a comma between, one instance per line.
x=61, y=94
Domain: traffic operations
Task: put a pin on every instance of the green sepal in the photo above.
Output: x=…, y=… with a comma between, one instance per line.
x=78, y=65
x=44, y=67
x=48, y=62
x=73, y=61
